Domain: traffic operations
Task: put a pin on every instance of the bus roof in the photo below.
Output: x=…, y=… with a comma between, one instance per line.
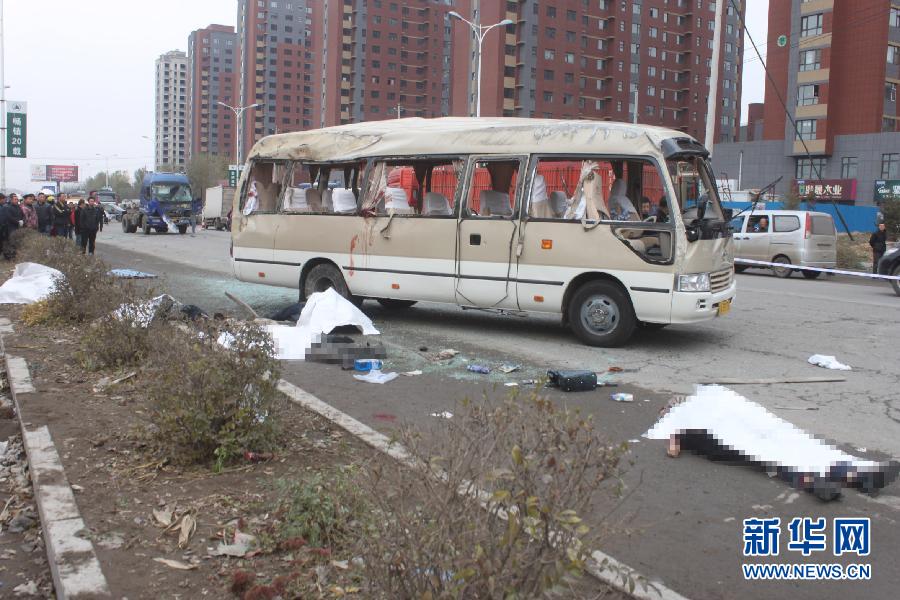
x=463, y=135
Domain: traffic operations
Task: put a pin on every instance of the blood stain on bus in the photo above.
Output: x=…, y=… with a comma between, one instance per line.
x=353, y=243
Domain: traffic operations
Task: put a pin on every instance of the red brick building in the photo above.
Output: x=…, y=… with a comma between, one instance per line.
x=315, y=63
x=213, y=75
x=835, y=65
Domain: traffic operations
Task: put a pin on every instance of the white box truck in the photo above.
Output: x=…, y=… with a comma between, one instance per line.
x=216, y=207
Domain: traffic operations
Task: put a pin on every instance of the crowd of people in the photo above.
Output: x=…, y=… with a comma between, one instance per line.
x=54, y=217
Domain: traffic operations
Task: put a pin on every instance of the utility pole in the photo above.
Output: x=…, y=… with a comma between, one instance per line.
x=637, y=91
x=2, y=104
x=399, y=108
x=480, y=31
x=712, y=99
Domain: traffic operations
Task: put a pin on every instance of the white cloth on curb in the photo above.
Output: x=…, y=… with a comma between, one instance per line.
x=828, y=362
x=31, y=282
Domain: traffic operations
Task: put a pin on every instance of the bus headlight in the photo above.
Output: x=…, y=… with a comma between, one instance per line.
x=693, y=282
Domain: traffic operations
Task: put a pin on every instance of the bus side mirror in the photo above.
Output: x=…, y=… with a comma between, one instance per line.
x=728, y=213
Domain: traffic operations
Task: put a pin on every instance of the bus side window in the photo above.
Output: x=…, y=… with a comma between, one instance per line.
x=492, y=191
x=303, y=194
x=425, y=187
x=264, y=189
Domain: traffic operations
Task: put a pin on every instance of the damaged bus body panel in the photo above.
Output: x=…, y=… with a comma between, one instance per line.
x=610, y=225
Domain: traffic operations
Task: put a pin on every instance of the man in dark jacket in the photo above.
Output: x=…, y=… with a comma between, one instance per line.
x=60, y=219
x=78, y=211
x=90, y=220
x=45, y=217
x=13, y=215
x=878, y=241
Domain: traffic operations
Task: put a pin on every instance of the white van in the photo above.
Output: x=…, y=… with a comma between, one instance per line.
x=791, y=237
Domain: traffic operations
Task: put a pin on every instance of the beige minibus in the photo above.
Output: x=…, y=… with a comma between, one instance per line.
x=609, y=225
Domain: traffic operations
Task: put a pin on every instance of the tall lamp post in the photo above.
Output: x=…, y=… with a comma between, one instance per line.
x=105, y=157
x=238, y=111
x=480, y=31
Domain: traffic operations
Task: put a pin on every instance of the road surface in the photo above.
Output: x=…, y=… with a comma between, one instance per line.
x=682, y=519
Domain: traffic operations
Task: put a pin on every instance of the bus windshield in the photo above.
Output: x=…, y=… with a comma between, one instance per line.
x=171, y=192
x=695, y=188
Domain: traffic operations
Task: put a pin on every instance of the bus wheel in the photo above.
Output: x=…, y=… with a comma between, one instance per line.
x=600, y=314
x=392, y=304
x=324, y=276
x=782, y=272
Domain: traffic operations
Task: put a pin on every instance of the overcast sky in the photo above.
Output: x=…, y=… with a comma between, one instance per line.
x=86, y=70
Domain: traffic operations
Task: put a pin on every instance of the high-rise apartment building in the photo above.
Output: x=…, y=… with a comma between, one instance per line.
x=836, y=67
x=314, y=63
x=281, y=65
x=214, y=76
x=591, y=59
x=171, y=110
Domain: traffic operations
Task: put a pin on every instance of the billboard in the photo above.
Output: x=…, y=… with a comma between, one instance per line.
x=66, y=173
x=39, y=173
x=835, y=190
x=887, y=189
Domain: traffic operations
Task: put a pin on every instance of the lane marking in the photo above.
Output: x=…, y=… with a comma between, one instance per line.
x=602, y=566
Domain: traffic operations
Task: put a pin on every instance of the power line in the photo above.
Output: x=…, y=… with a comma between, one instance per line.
x=789, y=115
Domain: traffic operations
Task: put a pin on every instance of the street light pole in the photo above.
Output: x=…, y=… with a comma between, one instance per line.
x=238, y=111
x=2, y=104
x=480, y=32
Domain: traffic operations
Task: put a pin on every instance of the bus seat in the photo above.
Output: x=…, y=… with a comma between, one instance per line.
x=395, y=201
x=437, y=204
x=620, y=204
x=494, y=204
x=344, y=201
x=327, y=201
x=558, y=204
x=295, y=200
x=540, y=208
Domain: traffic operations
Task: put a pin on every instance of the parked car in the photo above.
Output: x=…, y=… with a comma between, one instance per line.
x=789, y=237
x=890, y=265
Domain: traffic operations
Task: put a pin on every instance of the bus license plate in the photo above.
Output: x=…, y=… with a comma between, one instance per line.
x=724, y=307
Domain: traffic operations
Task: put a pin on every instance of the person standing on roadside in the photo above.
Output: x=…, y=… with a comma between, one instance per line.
x=91, y=221
x=30, y=212
x=878, y=241
x=43, y=214
x=13, y=215
x=76, y=220
x=60, y=219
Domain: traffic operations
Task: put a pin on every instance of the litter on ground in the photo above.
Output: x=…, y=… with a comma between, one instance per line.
x=131, y=274
x=447, y=354
x=479, y=369
x=30, y=283
x=376, y=376
x=509, y=368
x=443, y=415
x=828, y=362
x=622, y=397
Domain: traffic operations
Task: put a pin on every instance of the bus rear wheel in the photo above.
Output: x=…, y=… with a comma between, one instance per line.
x=600, y=314
x=324, y=276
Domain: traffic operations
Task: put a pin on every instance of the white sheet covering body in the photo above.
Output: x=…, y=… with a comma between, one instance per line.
x=324, y=311
x=30, y=283
x=746, y=427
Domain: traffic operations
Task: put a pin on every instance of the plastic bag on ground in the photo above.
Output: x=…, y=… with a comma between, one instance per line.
x=376, y=376
x=828, y=362
x=31, y=282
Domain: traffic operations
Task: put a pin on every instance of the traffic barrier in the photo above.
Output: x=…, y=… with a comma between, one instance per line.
x=763, y=263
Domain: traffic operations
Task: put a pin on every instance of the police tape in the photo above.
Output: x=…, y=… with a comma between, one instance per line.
x=762, y=263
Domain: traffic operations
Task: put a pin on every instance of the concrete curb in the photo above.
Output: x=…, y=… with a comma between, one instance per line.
x=603, y=566
x=73, y=563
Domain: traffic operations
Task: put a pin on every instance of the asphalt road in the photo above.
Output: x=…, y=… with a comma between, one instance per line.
x=681, y=521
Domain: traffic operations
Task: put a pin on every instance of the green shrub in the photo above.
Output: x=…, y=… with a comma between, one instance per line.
x=209, y=404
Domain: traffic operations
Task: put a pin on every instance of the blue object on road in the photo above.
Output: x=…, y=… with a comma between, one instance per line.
x=479, y=369
x=364, y=365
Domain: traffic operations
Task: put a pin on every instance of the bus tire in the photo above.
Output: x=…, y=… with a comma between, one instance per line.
x=392, y=304
x=600, y=314
x=324, y=276
x=145, y=226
